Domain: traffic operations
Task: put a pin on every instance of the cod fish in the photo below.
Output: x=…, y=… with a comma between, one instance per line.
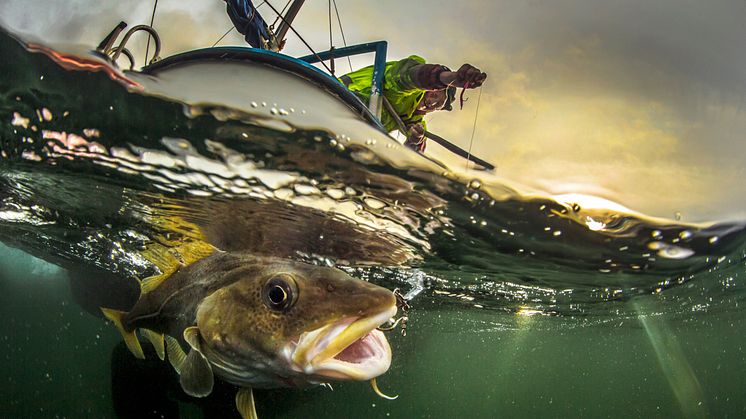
x=261, y=322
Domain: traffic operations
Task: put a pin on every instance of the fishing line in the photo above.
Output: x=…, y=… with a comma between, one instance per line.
x=224, y=35
x=473, y=129
x=152, y=19
x=331, y=41
x=344, y=40
x=300, y=37
x=278, y=14
x=233, y=27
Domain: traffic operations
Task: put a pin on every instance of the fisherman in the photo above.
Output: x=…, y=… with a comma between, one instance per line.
x=414, y=89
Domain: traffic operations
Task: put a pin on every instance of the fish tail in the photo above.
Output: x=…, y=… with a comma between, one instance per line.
x=130, y=339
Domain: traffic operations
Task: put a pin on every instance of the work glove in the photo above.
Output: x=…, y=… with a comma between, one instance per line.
x=470, y=76
x=416, y=138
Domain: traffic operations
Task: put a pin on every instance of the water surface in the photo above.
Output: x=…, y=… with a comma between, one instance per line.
x=523, y=305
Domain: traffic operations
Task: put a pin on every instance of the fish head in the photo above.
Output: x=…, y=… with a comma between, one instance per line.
x=299, y=323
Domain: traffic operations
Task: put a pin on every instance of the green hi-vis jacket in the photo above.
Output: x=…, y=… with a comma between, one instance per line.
x=398, y=88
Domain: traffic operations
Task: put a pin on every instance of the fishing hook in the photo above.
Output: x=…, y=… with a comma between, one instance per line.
x=402, y=305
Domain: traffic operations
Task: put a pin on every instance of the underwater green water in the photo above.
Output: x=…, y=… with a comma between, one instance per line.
x=58, y=362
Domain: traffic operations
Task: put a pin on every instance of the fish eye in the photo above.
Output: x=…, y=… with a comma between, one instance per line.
x=280, y=292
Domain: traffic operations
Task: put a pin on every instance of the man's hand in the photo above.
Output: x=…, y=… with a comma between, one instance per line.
x=416, y=137
x=469, y=76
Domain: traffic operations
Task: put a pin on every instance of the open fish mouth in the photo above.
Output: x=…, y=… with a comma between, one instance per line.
x=348, y=349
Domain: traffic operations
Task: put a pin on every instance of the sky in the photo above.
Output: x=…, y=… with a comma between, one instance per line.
x=640, y=102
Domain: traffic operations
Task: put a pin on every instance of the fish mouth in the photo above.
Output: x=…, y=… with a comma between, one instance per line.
x=348, y=349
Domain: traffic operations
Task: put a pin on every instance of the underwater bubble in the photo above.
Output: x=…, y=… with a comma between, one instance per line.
x=374, y=203
x=594, y=225
x=656, y=234
x=274, y=111
x=335, y=193
x=254, y=105
x=686, y=234
x=20, y=121
x=713, y=239
x=674, y=252
x=475, y=184
x=91, y=132
x=306, y=190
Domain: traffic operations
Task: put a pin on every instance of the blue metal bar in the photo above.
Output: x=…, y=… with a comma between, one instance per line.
x=379, y=67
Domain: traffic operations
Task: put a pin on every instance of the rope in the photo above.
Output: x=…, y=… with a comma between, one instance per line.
x=344, y=41
x=331, y=41
x=224, y=35
x=278, y=14
x=233, y=27
x=300, y=37
x=152, y=19
x=473, y=129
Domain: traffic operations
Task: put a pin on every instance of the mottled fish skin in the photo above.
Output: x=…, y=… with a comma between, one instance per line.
x=172, y=306
x=242, y=336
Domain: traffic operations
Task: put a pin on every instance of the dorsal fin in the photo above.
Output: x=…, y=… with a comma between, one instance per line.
x=169, y=254
x=152, y=282
x=170, y=259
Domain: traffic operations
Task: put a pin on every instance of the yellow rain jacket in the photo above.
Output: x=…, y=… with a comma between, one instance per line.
x=398, y=87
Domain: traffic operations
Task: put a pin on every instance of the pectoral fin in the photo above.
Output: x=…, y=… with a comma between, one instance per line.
x=176, y=355
x=245, y=403
x=196, y=373
x=130, y=339
x=157, y=340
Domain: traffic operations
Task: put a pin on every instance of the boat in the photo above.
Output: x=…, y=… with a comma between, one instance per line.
x=197, y=77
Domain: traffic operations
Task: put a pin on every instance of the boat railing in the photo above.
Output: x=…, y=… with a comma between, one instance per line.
x=375, y=104
x=107, y=47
